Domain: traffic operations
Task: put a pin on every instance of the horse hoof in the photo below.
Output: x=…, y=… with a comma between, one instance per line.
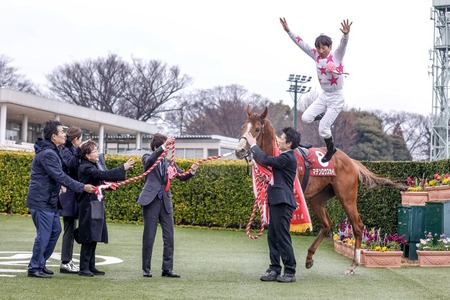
x=309, y=263
x=350, y=271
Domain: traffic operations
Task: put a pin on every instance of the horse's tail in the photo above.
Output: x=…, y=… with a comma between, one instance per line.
x=371, y=180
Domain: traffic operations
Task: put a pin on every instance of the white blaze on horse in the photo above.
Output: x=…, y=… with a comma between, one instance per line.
x=342, y=184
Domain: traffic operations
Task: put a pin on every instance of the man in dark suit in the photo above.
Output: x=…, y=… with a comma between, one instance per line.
x=156, y=201
x=281, y=203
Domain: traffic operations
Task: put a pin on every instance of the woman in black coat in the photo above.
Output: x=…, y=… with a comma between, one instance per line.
x=92, y=219
x=68, y=199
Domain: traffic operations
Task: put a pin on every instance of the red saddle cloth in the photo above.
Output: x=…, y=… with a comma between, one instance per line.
x=316, y=166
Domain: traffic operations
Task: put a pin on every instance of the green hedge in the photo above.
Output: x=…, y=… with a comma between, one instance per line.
x=220, y=195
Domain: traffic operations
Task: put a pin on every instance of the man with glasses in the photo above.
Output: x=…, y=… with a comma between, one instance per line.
x=47, y=177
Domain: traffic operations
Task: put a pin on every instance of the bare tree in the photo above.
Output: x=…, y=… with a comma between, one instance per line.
x=10, y=78
x=415, y=129
x=150, y=86
x=95, y=83
x=138, y=90
x=220, y=110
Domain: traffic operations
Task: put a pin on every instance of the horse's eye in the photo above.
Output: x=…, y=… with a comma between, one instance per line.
x=257, y=129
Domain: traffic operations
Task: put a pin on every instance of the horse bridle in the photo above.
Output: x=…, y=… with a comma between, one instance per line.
x=248, y=153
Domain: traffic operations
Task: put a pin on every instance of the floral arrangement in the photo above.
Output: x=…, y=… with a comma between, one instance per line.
x=431, y=244
x=371, y=239
x=391, y=242
x=439, y=179
x=344, y=233
x=416, y=184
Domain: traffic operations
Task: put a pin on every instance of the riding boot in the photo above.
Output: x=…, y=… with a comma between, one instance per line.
x=319, y=117
x=330, y=150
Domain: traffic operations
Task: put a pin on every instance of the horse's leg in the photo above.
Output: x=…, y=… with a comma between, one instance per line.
x=348, y=201
x=318, y=206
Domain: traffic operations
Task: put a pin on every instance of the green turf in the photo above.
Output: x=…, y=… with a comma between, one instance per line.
x=214, y=264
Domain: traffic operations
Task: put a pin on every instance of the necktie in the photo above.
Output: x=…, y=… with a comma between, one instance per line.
x=163, y=170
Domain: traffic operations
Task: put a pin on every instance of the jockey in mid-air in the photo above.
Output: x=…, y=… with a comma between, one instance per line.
x=330, y=71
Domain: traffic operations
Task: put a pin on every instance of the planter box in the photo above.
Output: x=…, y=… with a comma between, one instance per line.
x=349, y=251
x=433, y=258
x=338, y=247
x=344, y=249
x=388, y=259
x=438, y=193
x=414, y=198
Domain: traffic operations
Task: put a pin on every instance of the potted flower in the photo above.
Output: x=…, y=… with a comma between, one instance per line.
x=383, y=252
x=415, y=194
x=343, y=239
x=438, y=188
x=434, y=252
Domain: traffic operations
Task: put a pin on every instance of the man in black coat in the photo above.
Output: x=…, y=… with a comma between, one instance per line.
x=281, y=203
x=47, y=177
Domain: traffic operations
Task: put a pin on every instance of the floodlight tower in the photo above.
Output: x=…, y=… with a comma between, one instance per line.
x=440, y=71
x=298, y=89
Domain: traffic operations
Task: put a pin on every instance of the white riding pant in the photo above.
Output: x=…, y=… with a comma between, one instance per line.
x=330, y=103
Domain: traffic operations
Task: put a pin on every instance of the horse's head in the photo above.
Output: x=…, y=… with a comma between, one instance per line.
x=255, y=124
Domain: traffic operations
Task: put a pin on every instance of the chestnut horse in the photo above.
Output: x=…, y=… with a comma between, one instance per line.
x=343, y=186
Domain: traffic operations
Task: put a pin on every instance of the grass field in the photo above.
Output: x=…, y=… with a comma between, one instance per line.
x=214, y=264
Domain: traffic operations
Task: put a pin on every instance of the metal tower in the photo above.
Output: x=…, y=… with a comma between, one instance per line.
x=440, y=146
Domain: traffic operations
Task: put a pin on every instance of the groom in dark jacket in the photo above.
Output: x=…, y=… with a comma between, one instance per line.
x=281, y=203
x=47, y=177
x=156, y=201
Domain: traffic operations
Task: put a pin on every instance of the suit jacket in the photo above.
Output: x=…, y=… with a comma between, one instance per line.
x=284, y=168
x=154, y=182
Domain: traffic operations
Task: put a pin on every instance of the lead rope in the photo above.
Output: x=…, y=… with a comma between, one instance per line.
x=171, y=145
x=260, y=200
x=262, y=176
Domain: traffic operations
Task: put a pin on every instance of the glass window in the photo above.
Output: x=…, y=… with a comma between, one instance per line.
x=194, y=153
x=213, y=152
x=179, y=152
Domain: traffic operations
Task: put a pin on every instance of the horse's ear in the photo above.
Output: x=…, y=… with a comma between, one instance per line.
x=264, y=113
x=249, y=110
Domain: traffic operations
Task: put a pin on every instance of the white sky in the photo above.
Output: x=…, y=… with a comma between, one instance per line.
x=234, y=42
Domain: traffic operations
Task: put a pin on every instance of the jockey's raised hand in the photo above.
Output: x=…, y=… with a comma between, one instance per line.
x=284, y=24
x=346, y=26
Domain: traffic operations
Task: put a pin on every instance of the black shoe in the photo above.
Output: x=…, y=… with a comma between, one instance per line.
x=47, y=271
x=147, y=274
x=270, y=275
x=38, y=274
x=97, y=272
x=86, y=273
x=170, y=274
x=286, y=278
